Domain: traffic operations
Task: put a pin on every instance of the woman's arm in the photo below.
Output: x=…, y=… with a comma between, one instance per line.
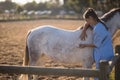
x=86, y=25
x=83, y=34
x=86, y=45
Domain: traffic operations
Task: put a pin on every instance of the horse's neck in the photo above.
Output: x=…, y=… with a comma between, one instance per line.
x=112, y=25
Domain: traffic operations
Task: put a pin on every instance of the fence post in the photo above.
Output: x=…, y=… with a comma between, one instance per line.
x=117, y=65
x=103, y=66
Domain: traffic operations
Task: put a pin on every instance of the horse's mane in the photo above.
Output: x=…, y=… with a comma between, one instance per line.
x=107, y=16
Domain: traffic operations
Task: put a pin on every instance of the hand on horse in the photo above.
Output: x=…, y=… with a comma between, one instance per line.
x=82, y=45
x=83, y=35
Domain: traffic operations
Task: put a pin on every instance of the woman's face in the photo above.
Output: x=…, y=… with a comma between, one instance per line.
x=90, y=20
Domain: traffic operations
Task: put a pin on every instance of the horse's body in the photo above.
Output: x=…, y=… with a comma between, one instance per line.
x=63, y=45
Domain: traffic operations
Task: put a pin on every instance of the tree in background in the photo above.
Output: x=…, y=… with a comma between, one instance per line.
x=76, y=5
x=19, y=9
x=42, y=6
x=104, y=5
x=54, y=6
x=80, y=5
x=109, y=4
x=30, y=6
x=7, y=5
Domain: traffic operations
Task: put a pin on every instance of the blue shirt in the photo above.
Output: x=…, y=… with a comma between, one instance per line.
x=103, y=42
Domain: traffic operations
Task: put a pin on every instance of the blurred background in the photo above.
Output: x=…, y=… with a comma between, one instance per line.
x=52, y=9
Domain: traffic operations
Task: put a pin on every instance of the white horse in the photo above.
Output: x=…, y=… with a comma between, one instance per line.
x=63, y=45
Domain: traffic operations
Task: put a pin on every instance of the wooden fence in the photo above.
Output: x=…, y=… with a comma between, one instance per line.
x=102, y=73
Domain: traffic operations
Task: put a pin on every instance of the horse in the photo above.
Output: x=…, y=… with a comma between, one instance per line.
x=63, y=45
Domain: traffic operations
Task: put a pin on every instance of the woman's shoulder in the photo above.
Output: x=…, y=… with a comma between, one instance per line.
x=100, y=29
x=100, y=26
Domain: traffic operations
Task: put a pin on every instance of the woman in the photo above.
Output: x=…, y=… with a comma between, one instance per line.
x=102, y=41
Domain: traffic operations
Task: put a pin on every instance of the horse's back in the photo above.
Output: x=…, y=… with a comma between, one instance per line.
x=52, y=31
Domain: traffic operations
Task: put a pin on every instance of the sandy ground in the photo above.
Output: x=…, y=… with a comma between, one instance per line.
x=12, y=44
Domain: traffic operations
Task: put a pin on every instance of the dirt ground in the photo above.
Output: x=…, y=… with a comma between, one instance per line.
x=12, y=43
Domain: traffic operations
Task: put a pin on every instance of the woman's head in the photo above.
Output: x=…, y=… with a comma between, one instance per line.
x=90, y=16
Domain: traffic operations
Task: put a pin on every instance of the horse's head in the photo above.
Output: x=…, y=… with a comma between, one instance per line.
x=112, y=20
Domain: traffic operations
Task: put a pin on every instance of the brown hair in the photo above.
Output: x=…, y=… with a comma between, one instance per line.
x=91, y=12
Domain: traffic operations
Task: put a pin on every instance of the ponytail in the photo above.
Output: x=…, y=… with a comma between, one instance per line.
x=104, y=24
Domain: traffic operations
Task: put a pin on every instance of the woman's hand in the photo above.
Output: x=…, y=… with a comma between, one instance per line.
x=82, y=45
x=83, y=34
x=86, y=45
